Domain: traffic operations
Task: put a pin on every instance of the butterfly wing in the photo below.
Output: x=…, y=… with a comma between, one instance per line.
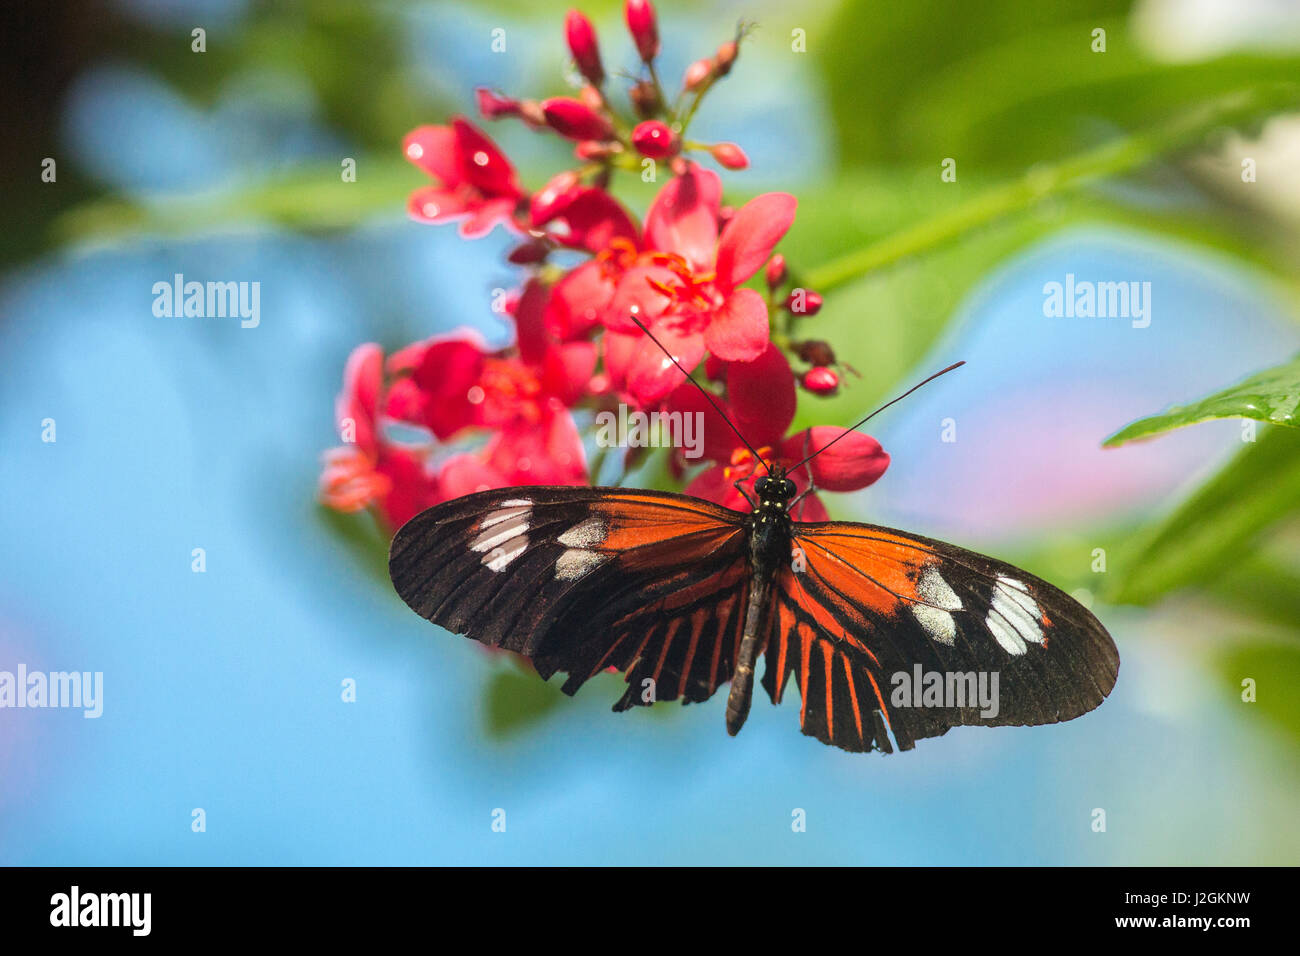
x=867, y=604
x=584, y=579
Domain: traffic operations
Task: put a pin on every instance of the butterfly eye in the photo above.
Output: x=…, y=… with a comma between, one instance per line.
x=761, y=485
x=787, y=488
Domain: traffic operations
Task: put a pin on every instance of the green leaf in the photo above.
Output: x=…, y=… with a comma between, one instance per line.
x=517, y=699
x=1216, y=528
x=1271, y=396
x=360, y=535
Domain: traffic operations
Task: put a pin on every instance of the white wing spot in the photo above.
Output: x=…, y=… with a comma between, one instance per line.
x=1013, y=619
x=937, y=623
x=584, y=534
x=575, y=563
x=938, y=599
x=498, y=558
x=505, y=514
x=933, y=589
x=503, y=534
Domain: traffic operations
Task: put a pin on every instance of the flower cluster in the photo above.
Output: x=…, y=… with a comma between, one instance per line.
x=689, y=273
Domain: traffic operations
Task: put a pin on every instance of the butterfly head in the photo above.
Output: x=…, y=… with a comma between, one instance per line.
x=774, y=489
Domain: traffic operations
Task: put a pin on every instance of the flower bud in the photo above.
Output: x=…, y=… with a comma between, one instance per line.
x=727, y=54
x=573, y=119
x=653, y=138
x=815, y=352
x=775, y=272
x=803, y=302
x=697, y=74
x=495, y=106
x=730, y=155
x=644, y=27
x=820, y=381
x=645, y=99
x=528, y=253
x=581, y=36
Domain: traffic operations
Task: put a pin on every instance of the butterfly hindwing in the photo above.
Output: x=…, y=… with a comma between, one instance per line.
x=864, y=604
x=580, y=580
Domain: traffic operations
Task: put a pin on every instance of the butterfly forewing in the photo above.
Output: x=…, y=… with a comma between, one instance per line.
x=865, y=604
x=581, y=580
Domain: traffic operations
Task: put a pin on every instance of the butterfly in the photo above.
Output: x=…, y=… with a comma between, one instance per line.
x=683, y=595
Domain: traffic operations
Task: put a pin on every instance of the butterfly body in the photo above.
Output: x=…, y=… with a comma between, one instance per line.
x=770, y=530
x=683, y=595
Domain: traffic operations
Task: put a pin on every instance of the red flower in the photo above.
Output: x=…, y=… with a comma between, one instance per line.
x=453, y=383
x=476, y=183
x=761, y=402
x=682, y=280
x=370, y=470
x=694, y=301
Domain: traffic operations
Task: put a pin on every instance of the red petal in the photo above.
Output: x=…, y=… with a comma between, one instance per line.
x=435, y=204
x=652, y=375
x=854, y=461
x=448, y=371
x=483, y=216
x=546, y=453
x=530, y=332
x=719, y=440
x=684, y=216
x=751, y=235
x=634, y=293
x=482, y=164
x=619, y=350
x=762, y=397
x=433, y=149
x=712, y=484
x=549, y=201
x=594, y=219
x=578, y=301
x=738, y=331
x=413, y=489
x=811, y=508
x=465, y=474
x=406, y=402
x=567, y=370
x=359, y=400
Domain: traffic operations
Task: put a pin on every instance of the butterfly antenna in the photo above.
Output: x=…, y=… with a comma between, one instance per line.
x=703, y=391
x=876, y=412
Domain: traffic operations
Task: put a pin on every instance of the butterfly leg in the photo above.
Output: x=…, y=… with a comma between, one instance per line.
x=736, y=484
x=812, y=485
